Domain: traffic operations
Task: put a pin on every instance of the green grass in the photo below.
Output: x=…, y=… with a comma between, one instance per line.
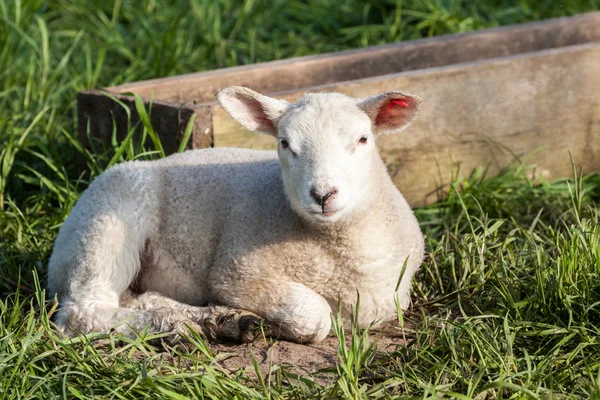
x=507, y=303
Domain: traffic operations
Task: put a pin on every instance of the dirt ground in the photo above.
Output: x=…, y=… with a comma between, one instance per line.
x=301, y=359
x=316, y=360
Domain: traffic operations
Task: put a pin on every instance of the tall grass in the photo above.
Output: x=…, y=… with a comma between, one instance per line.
x=507, y=303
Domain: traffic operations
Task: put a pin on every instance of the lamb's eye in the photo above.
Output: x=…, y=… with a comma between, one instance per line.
x=362, y=140
x=285, y=144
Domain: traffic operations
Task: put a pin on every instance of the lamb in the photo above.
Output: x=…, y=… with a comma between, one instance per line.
x=222, y=240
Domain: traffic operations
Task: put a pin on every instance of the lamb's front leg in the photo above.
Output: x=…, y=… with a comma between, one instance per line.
x=216, y=323
x=300, y=314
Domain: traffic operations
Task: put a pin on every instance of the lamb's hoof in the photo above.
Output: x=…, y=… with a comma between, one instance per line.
x=253, y=327
x=180, y=332
x=232, y=325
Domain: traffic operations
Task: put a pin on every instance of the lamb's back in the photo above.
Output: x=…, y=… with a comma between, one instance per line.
x=198, y=191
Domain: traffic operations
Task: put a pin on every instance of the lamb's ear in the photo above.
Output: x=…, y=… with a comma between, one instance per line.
x=255, y=112
x=391, y=112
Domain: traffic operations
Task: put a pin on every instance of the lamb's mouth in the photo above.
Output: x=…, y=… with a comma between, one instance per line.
x=325, y=213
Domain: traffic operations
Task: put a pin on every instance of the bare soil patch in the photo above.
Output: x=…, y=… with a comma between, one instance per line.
x=300, y=359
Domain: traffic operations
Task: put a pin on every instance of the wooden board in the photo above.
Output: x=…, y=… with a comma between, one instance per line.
x=489, y=95
x=479, y=113
x=99, y=115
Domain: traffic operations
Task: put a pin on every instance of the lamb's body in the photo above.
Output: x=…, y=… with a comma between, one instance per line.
x=216, y=227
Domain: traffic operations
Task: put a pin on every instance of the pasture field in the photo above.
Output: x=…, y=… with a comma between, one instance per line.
x=507, y=304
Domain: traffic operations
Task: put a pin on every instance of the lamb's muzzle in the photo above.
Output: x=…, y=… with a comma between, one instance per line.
x=323, y=200
x=279, y=236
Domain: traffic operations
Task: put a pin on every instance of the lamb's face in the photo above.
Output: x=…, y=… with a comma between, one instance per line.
x=326, y=147
x=325, y=143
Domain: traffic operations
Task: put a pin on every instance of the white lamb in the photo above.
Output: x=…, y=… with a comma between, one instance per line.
x=216, y=239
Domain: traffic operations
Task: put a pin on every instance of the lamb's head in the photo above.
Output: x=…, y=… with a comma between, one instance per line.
x=326, y=144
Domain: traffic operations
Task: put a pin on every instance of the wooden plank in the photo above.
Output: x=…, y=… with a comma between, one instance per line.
x=480, y=113
x=304, y=72
x=99, y=115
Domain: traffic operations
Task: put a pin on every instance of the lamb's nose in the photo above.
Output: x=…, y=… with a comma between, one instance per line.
x=320, y=198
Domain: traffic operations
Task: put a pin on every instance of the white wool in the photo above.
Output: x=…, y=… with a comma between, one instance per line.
x=243, y=229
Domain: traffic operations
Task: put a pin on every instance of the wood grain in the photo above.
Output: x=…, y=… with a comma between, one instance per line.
x=537, y=106
x=529, y=91
x=98, y=115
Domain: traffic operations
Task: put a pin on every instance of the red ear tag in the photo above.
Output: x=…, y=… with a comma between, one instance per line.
x=399, y=102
